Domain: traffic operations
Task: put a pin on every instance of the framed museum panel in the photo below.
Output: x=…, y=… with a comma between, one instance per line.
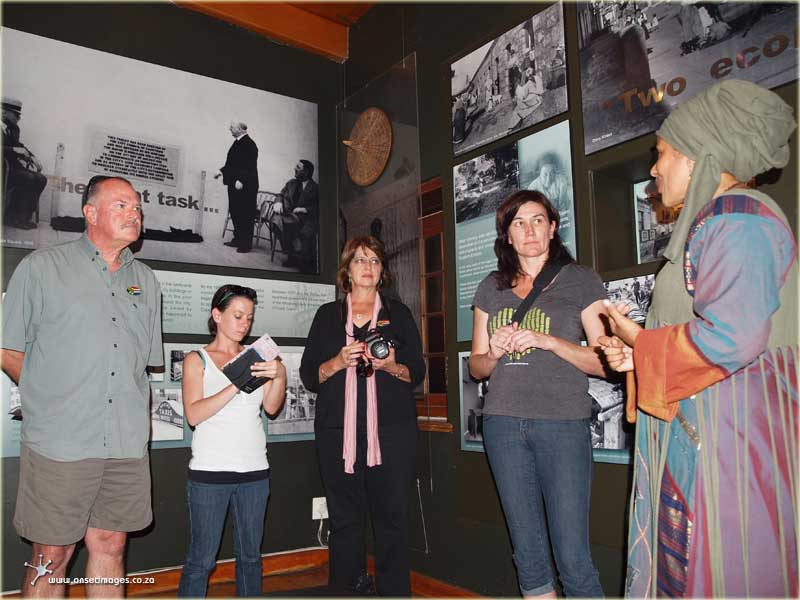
x=11, y=415
x=510, y=83
x=284, y=309
x=636, y=292
x=639, y=59
x=295, y=421
x=654, y=222
x=479, y=186
x=540, y=161
x=204, y=155
x=612, y=435
x=166, y=415
x=472, y=393
x=545, y=165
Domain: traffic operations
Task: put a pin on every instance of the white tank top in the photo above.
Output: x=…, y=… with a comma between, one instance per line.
x=234, y=438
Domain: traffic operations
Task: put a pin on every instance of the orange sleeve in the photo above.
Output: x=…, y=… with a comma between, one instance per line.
x=669, y=368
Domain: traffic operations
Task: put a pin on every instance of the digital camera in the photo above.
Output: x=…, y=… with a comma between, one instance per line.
x=377, y=346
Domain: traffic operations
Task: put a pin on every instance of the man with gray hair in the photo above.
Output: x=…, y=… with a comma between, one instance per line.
x=240, y=174
x=81, y=322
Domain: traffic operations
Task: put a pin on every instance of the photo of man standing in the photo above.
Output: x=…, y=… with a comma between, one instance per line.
x=240, y=174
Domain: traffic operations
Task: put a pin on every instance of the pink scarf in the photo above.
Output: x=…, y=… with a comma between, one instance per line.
x=350, y=400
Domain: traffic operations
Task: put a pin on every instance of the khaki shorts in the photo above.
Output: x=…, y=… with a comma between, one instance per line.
x=58, y=500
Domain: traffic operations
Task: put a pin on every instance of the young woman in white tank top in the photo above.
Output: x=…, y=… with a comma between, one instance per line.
x=229, y=453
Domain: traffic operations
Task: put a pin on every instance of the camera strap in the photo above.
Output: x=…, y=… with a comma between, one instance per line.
x=543, y=279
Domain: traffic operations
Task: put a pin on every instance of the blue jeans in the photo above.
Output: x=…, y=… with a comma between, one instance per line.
x=208, y=507
x=543, y=465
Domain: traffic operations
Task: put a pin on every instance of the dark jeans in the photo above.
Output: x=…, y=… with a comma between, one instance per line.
x=383, y=491
x=543, y=465
x=208, y=506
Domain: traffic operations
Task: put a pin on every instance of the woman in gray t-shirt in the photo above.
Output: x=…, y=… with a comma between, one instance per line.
x=536, y=416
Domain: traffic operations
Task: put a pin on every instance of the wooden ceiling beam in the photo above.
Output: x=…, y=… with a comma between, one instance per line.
x=283, y=23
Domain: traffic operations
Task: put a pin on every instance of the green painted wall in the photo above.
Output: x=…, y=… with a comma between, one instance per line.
x=467, y=541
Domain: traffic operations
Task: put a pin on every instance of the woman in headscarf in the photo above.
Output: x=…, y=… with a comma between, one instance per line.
x=715, y=480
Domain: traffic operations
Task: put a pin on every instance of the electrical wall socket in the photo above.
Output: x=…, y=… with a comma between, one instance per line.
x=319, y=508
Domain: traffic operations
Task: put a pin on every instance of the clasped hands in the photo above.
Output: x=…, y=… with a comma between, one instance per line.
x=510, y=338
x=348, y=357
x=618, y=349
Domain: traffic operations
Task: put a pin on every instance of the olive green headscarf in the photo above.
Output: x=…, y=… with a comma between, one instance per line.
x=736, y=127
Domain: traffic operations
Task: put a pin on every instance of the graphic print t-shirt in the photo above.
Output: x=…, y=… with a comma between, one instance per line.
x=537, y=384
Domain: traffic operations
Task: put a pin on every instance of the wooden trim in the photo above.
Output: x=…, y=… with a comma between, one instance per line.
x=434, y=183
x=435, y=426
x=428, y=587
x=281, y=22
x=431, y=225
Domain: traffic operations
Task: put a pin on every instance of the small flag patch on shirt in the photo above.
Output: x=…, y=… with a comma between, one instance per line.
x=382, y=323
x=134, y=290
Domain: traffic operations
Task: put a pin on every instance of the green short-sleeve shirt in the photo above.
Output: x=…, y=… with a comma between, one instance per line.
x=88, y=335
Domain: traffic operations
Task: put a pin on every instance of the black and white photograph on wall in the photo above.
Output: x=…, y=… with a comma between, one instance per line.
x=226, y=174
x=654, y=222
x=609, y=429
x=10, y=419
x=639, y=59
x=473, y=394
x=174, y=355
x=545, y=165
x=633, y=291
x=295, y=421
x=176, y=365
x=166, y=414
x=480, y=185
x=515, y=81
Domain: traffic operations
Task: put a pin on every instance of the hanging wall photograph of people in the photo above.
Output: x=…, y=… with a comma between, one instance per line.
x=480, y=185
x=515, y=81
x=472, y=393
x=545, y=165
x=230, y=180
x=654, y=222
x=633, y=291
x=639, y=59
x=295, y=420
x=610, y=431
x=541, y=161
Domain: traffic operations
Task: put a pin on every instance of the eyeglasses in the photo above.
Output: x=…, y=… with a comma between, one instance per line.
x=362, y=260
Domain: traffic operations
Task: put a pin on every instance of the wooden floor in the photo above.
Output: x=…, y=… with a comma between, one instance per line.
x=290, y=573
x=272, y=584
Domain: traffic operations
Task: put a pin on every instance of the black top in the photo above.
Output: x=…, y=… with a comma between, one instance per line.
x=395, y=397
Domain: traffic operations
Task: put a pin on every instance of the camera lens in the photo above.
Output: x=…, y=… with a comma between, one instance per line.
x=364, y=368
x=379, y=349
